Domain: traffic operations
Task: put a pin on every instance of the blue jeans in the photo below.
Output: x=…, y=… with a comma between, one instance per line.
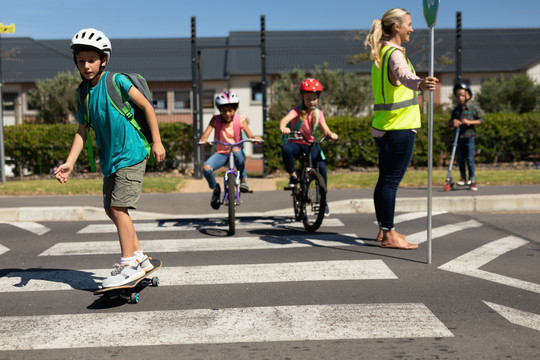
x=395, y=153
x=465, y=153
x=218, y=160
x=291, y=150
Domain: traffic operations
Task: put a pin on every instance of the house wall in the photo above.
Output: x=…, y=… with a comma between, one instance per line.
x=534, y=73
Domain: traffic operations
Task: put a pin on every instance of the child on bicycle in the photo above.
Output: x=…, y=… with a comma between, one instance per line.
x=465, y=116
x=122, y=151
x=228, y=128
x=307, y=119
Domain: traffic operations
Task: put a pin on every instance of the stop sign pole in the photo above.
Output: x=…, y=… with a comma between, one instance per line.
x=431, y=8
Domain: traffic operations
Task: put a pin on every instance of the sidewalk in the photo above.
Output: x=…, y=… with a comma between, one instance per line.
x=267, y=200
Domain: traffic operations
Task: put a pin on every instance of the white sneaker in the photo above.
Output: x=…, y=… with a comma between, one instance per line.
x=123, y=274
x=146, y=265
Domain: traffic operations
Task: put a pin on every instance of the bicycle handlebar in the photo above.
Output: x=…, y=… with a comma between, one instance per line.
x=229, y=144
x=297, y=135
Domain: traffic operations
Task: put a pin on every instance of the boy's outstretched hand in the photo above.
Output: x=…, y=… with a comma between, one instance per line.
x=333, y=136
x=158, y=151
x=63, y=172
x=257, y=140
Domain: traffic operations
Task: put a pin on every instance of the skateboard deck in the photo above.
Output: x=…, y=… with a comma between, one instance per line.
x=129, y=291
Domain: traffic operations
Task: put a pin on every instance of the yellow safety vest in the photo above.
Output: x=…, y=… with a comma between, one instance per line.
x=396, y=107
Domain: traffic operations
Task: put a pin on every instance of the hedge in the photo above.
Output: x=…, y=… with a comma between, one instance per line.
x=37, y=149
x=502, y=138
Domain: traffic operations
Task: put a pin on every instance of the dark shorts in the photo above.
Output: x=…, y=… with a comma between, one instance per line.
x=123, y=188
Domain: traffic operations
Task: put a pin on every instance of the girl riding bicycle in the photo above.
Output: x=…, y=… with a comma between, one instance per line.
x=307, y=119
x=229, y=127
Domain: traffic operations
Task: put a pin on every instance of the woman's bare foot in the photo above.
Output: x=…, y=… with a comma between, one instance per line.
x=392, y=239
x=380, y=235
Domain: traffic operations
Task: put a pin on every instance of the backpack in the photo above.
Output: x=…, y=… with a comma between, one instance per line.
x=137, y=118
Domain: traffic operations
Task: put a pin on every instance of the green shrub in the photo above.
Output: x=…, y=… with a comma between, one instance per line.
x=502, y=138
x=39, y=148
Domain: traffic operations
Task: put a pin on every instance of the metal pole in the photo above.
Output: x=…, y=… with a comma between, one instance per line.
x=195, y=100
x=2, y=155
x=458, y=47
x=201, y=109
x=263, y=82
x=430, y=145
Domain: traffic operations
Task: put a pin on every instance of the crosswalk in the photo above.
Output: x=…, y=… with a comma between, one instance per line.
x=315, y=322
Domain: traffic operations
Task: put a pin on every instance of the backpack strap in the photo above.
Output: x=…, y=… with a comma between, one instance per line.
x=297, y=126
x=83, y=98
x=124, y=107
x=315, y=125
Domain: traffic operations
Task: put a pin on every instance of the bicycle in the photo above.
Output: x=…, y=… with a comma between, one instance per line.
x=309, y=193
x=231, y=181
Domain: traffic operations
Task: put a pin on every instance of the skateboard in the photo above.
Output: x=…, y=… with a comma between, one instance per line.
x=130, y=291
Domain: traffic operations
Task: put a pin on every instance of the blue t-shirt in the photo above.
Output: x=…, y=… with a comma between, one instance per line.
x=119, y=144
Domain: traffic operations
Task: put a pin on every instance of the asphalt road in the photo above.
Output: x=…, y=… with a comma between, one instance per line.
x=274, y=291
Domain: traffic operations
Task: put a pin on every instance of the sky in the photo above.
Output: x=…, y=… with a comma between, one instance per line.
x=61, y=19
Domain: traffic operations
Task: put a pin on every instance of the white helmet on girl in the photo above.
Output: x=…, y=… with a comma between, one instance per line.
x=227, y=98
x=92, y=38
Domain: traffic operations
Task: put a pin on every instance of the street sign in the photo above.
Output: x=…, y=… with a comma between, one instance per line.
x=7, y=29
x=431, y=7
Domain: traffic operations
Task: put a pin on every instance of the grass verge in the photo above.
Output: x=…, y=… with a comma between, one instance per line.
x=161, y=184
x=84, y=186
x=418, y=178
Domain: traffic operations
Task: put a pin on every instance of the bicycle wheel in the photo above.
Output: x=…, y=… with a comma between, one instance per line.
x=314, y=202
x=231, y=188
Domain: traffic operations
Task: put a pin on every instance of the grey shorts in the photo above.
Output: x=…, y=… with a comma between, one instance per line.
x=123, y=188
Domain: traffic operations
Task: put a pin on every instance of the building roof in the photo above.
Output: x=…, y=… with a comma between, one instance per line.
x=25, y=60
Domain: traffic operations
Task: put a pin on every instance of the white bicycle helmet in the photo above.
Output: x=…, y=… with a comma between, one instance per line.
x=226, y=98
x=93, y=38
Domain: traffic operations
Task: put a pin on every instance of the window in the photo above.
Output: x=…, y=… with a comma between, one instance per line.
x=8, y=100
x=182, y=100
x=160, y=100
x=208, y=99
x=257, y=91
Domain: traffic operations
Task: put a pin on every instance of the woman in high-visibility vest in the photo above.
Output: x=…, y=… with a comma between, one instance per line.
x=396, y=115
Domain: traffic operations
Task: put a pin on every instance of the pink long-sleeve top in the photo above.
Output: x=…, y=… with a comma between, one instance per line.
x=400, y=68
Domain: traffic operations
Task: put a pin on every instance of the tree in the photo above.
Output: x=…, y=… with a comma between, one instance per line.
x=344, y=94
x=56, y=98
x=516, y=94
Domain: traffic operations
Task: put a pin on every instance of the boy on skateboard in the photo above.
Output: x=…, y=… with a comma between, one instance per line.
x=122, y=153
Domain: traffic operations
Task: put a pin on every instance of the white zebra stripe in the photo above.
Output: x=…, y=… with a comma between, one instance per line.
x=208, y=244
x=52, y=280
x=211, y=326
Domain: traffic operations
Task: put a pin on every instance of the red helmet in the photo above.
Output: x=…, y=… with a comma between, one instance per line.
x=311, y=85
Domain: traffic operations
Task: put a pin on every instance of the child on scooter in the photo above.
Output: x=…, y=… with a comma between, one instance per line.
x=465, y=116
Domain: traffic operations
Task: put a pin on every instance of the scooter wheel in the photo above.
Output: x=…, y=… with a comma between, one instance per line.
x=447, y=186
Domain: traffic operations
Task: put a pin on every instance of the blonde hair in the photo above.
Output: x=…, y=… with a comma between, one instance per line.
x=381, y=29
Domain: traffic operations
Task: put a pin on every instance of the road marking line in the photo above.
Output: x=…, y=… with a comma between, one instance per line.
x=222, y=224
x=421, y=237
x=33, y=227
x=3, y=249
x=413, y=216
x=208, y=244
x=51, y=280
x=212, y=326
x=517, y=317
x=469, y=263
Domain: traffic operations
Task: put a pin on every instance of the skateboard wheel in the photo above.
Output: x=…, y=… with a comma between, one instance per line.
x=135, y=298
x=155, y=281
